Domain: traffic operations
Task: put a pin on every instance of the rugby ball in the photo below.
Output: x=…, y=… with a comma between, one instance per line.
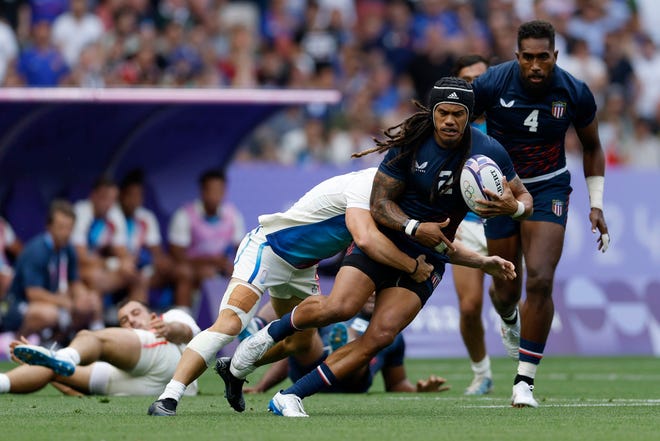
x=480, y=172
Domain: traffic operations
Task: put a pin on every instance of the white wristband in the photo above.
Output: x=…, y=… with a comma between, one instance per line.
x=595, y=186
x=411, y=227
x=520, y=211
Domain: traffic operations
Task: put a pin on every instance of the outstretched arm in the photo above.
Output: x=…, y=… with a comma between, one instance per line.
x=593, y=162
x=376, y=245
x=493, y=265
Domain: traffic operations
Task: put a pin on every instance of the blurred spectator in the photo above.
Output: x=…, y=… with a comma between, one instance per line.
x=46, y=295
x=642, y=149
x=432, y=61
x=100, y=238
x=596, y=18
x=16, y=13
x=304, y=145
x=143, y=234
x=397, y=37
x=646, y=65
x=586, y=67
x=617, y=59
x=10, y=246
x=614, y=125
x=204, y=235
x=76, y=29
x=90, y=69
x=8, y=48
x=47, y=10
x=41, y=63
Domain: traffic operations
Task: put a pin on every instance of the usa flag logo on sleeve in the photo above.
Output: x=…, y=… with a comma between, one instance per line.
x=558, y=109
x=557, y=207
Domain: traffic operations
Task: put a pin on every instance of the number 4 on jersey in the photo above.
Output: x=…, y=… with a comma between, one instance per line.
x=532, y=120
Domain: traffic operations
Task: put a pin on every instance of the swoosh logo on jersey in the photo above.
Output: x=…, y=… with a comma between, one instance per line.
x=505, y=104
x=420, y=167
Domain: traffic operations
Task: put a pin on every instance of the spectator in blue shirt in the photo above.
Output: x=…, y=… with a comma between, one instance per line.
x=46, y=293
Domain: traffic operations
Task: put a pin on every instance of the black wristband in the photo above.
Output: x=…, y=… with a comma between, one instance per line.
x=416, y=268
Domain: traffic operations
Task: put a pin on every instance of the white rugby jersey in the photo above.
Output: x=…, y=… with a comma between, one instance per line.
x=177, y=315
x=314, y=228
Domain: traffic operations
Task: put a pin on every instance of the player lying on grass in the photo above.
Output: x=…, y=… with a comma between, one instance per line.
x=138, y=358
x=389, y=362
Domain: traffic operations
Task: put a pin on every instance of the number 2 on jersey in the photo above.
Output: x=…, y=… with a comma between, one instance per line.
x=532, y=120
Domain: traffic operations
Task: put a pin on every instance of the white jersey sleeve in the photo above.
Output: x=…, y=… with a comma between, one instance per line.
x=179, y=230
x=358, y=192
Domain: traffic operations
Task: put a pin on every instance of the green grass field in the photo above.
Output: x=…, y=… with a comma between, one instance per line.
x=581, y=399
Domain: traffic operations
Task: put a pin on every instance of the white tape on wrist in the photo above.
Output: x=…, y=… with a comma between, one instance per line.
x=520, y=211
x=411, y=227
x=596, y=186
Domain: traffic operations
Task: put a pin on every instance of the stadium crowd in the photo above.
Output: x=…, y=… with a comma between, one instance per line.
x=379, y=54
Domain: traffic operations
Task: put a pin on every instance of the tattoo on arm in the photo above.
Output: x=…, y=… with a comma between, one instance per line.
x=384, y=194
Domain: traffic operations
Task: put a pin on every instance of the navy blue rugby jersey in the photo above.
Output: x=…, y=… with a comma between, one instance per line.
x=419, y=174
x=532, y=129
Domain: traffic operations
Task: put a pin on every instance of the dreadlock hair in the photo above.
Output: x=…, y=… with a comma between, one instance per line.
x=408, y=134
x=537, y=29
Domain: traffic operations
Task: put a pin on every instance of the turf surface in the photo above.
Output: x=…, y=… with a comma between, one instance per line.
x=581, y=399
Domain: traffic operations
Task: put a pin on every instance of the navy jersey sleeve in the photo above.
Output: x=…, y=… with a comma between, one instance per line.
x=483, y=91
x=394, y=167
x=585, y=107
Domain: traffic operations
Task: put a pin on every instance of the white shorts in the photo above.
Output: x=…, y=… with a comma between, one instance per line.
x=154, y=369
x=257, y=264
x=471, y=234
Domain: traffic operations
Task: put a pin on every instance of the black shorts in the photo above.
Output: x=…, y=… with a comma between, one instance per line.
x=385, y=276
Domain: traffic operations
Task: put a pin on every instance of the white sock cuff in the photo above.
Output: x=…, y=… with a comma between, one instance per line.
x=174, y=390
x=527, y=369
x=69, y=354
x=208, y=343
x=481, y=367
x=5, y=384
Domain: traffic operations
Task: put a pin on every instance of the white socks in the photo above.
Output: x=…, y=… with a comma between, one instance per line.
x=69, y=354
x=174, y=390
x=5, y=384
x=527, y=369
x=482, y=368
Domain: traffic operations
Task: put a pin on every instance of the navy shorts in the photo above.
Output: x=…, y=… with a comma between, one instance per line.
x=385, y=276
x=550, y=205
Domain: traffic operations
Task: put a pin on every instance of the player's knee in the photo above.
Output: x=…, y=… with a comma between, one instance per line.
x=470, y=309
x=335, y=311
x=539, y=285
x=380, y=337
x=237, y=308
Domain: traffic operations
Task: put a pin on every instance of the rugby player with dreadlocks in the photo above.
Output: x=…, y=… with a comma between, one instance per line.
x=416, y=199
